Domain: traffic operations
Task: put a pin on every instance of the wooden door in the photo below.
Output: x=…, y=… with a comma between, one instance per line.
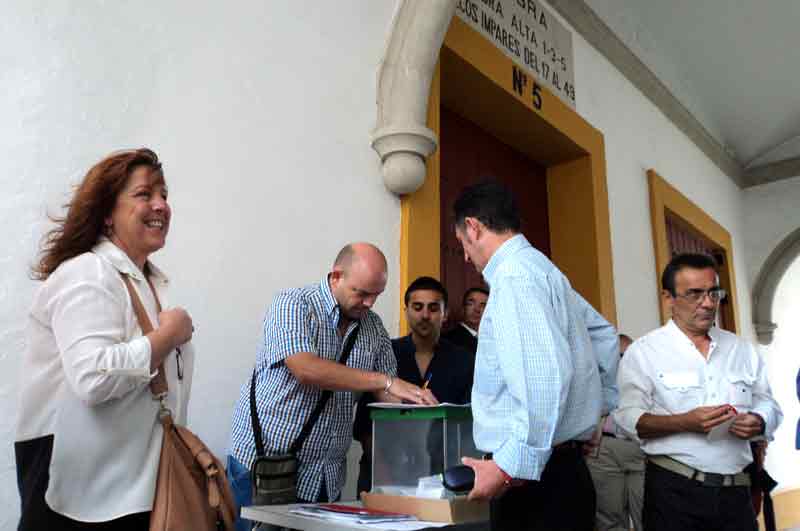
x=469, y=155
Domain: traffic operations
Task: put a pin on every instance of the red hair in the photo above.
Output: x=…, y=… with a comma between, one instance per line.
x=93, y=201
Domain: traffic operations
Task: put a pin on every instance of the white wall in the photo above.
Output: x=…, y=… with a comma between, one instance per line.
x=262, y=113
x=771, y=213
x=641, y=40
x=783, y=362
x=639, y=137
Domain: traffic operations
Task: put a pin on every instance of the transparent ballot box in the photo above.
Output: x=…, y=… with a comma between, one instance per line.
x=412, y=445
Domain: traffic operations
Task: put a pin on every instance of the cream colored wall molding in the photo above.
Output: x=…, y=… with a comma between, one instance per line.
x=401, y=137
x=767, y=283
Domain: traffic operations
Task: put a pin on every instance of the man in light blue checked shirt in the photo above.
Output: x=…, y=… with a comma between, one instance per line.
x=305, y=331
x=536, y=395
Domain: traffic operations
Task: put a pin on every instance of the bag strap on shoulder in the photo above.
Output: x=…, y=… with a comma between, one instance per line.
x=309, y=425
x=158, y=384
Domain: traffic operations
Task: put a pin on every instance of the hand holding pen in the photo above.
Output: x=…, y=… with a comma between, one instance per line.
x=428, y=392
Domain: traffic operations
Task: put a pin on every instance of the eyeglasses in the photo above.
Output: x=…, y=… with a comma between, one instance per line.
x=696, y=296
x=179, y=363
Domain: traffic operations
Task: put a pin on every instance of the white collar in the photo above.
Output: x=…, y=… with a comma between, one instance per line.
x=107, y=250
x=675, y=330
x=472, y=332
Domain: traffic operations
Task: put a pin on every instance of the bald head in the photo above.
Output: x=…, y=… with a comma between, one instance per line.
x=358, y=277
x=360, y=253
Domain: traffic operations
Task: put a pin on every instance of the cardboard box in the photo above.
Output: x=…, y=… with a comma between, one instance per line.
x=453, y=511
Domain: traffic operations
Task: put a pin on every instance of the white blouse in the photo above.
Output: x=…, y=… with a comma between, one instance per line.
x=85, y=379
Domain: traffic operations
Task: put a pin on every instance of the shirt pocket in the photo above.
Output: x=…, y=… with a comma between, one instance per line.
x=740, y=390
x=362, y=356
x=682, y=392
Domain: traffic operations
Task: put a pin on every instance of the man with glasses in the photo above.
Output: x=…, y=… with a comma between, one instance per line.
x=695, y=396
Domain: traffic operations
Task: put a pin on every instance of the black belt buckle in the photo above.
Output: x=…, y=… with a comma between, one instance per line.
x=713, y=480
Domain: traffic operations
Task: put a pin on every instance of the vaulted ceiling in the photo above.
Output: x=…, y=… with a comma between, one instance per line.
x=732, y=64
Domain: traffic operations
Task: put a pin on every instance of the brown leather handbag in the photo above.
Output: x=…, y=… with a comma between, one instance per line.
x=192, y=492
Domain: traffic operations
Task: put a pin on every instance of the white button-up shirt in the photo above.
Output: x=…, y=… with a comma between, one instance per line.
x=663, y=373
x=85, y=379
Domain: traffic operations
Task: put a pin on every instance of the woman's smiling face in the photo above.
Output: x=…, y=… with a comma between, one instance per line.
x=139, y=222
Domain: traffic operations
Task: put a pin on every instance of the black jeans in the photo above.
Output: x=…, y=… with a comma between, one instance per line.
x=562, y=500
x=672, y=501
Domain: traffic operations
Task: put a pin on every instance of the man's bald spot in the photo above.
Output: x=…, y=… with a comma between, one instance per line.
x=360, y=253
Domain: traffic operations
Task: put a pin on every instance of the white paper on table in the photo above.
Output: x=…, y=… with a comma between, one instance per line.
x=317, y=511
x=393, y=405
x=720, y=431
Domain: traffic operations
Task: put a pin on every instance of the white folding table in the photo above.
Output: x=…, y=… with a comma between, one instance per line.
x=279, y=515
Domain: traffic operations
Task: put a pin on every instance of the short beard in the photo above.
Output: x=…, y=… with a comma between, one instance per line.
x=432, y=334
x=351, y=314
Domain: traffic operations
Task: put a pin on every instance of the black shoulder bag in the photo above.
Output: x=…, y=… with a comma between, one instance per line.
x=274, y=477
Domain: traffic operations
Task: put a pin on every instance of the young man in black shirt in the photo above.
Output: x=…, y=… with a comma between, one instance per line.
x=423, y=358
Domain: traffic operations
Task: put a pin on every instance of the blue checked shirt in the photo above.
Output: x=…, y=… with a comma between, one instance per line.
x=605, y=344
x=536, y=377
x=305, y=320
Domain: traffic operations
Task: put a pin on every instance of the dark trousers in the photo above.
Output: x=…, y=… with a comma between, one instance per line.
x=364, y=474
x=562, y=500
x=33, y=475
x=672, y=501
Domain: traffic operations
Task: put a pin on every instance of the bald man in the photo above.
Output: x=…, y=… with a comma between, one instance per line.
x=305, y=338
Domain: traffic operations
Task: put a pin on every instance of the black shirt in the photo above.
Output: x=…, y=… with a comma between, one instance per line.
x=449, y=377
x=462, y=337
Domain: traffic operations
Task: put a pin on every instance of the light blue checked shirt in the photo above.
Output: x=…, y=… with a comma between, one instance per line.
x=605, y=344
x=305, y=320
x=536, y=378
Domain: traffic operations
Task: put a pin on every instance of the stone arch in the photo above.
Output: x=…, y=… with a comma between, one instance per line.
x=767, y=281
x=401, y=136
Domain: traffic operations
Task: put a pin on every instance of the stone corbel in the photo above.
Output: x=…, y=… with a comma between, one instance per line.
x=764, y=332
x=401, y=137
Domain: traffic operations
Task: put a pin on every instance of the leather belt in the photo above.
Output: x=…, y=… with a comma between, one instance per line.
x=568, y=445
x=707, y=479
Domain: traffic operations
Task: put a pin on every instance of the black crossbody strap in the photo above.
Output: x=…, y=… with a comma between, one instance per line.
x=254, y=422
x=326, y=395
x=309, y=425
